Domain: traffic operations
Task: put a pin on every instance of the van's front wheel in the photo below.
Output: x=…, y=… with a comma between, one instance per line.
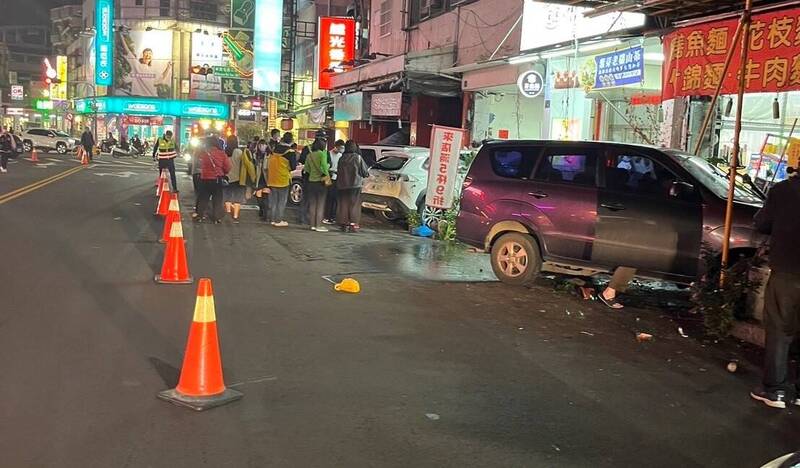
x=515, y=259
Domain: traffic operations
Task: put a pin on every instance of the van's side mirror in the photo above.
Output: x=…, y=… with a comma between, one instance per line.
x=681, y=189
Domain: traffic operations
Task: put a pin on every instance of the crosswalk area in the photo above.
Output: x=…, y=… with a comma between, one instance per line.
x=101, y=162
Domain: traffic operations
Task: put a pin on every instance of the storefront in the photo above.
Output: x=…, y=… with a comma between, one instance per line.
x=152, y=116
x=693, y=69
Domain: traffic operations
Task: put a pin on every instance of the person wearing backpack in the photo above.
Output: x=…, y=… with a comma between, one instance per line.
x=280, y=165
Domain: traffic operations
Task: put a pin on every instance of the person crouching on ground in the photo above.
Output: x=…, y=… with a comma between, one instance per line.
x=280, y=165
x=240, y=176
x=214, y=167
x=350, y=175
x=318, y=172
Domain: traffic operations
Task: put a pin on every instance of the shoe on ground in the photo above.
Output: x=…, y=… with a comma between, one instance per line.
x=281, y=224
x=313, y=228
x=776, y=399
x=272, y=223
x=328, y=221
x=3, y=170
x=320, y=229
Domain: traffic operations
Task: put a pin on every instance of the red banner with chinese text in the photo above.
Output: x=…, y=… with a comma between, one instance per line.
x=695, y=56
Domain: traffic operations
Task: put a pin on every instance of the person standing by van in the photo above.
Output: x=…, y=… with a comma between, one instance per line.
x=782, y=296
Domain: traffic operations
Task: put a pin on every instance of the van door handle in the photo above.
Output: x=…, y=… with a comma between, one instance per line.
x=538, y=194
x=613, y=206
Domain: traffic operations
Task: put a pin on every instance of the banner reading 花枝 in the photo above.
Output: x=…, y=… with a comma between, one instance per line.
x=144, y=64
x=443, y=171
x=695, y=56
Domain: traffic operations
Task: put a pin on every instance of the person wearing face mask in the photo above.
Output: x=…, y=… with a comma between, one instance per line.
x=330, y=201
x=261, y=190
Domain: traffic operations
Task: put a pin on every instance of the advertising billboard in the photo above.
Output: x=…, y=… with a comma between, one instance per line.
x=619, y=68
x=446, y=145
x=104, y=43
x=144, y=64
x=267, y=45
x=243, y=14
x=151, y=106
x=207, y=50
x=58, y=91
x=337, y=47
x=545, y=24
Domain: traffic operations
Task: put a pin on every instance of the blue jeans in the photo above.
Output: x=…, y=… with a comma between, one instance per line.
x=277, y=203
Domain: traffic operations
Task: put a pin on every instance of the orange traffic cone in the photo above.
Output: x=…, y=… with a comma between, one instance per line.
x=160, y=182
x=173, y=214
x=34, y=157
x=163, y=202
x=84, y=158
x=201, y=385
x=174, y=269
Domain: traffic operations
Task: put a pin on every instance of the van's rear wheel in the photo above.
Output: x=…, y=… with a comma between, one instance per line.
x=515, y=259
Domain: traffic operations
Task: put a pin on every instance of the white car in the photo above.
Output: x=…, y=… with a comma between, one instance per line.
x=46, y=139
x=397, y=184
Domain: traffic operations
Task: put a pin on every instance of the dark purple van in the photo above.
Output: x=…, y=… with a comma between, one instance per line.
x=589, y=207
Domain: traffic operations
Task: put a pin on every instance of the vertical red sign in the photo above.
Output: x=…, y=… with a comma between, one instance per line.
x=337, y=47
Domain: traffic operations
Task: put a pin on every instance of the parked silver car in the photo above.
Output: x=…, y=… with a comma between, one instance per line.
x=47, y=139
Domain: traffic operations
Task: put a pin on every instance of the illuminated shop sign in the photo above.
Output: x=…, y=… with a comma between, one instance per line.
x=337, y=47
x=104, y=43
x=144, y=106
x=267, y=45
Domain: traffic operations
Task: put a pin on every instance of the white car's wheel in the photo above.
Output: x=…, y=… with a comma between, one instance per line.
x=431, y=216
x=61, y=147
x=27, y=145
x=296, y=192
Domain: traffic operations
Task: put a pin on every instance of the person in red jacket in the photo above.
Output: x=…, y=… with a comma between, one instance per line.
x=214, y=167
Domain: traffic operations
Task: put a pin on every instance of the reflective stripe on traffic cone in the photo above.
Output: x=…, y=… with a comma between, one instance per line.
x=160, y=183
x=201, y=385
x=174, y=269
x=163, y=202
x=173, y=214
x=34, y=157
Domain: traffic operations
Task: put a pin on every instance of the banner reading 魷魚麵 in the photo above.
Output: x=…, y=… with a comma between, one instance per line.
x=695, y=56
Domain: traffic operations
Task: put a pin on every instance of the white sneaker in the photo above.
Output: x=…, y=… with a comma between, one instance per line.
x=328, y=221
x=272, y=223
x=281, y=224
x=3, y=170
x=321, y=229
x=313, y=228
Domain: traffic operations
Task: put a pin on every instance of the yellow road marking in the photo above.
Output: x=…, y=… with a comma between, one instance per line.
x=7, y=197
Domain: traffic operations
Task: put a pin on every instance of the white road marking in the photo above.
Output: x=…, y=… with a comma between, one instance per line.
x=123, y=175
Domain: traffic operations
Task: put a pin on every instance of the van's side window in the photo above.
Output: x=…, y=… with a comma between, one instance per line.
x=638, y=174
x=514, y=163
x=568, y=165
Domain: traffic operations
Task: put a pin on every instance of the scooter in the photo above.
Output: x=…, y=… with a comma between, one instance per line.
x=130, y=152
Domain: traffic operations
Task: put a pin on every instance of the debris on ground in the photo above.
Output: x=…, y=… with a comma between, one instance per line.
x=432, y=416
x=642, y=337
x=587, y=333
x=680, y=332
x=586, y=293
x=348, y=285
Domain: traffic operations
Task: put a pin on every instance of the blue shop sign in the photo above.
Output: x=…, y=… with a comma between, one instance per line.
x=620, y=68
x=150, y=106
x=104, y=43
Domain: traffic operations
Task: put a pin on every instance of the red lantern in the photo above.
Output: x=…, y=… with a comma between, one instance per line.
x=287, y=124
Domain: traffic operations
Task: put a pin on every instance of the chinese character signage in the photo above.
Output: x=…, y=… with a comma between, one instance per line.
x=236, y=86
x=104, y=43
x=530, y=84
x=152, y=106
x=620, y=68
x=443, y=171
x=206, y=50
x=267, y=45
x=58, y=91
x=337, y=47
x=695, y=56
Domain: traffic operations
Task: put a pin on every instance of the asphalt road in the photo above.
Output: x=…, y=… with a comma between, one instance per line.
x=432, y=364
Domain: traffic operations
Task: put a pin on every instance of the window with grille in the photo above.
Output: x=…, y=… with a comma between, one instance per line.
x=164, y=8
x=385, y=26
x=204, y=10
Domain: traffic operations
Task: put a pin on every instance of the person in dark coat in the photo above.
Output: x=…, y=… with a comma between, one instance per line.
x=778, y=218
x=87, y=141
x=350, y=175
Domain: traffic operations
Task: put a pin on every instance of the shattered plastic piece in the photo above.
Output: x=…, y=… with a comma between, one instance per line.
x=520, y=328
x=703, y=369
x=556, y=447
x=641, y=337
x=732, y=366
x=587, y=333
x=680, y=332
x=432, y=416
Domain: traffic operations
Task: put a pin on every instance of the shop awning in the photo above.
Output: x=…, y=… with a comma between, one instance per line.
x=672, y=10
